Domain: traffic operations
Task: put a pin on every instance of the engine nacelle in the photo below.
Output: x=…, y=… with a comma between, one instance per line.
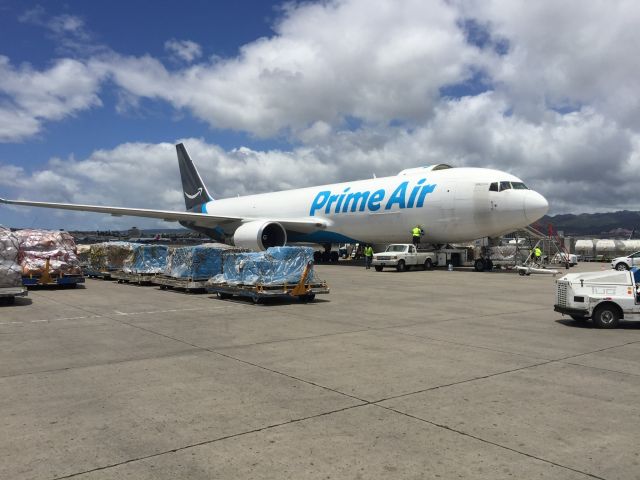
x=260, y=235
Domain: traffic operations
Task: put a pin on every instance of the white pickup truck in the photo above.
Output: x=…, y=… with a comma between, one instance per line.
x=606, y=297
x=403, y=256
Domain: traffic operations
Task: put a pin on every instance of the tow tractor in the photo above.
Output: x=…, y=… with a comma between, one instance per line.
x=606, y=297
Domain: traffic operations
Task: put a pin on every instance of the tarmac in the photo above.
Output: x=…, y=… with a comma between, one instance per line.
x=422, y=374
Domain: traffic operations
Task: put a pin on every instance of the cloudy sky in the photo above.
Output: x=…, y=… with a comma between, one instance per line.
x=277, y=95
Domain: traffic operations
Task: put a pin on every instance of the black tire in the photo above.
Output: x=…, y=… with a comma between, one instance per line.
x=378, y=268
x=428, y=264
x=223, y=296
x=334, y=257
x=479, y=265
x=621, y=266
x=309, y=297
x=488, y=265
x=401, y=266
x=606, y=316
x=257, y=300
x=522, y=273
x=579, y=318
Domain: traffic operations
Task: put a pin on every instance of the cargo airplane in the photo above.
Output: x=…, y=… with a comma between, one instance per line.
x=449, y=204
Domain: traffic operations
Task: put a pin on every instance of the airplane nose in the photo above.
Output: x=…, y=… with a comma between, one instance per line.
x=535, y=206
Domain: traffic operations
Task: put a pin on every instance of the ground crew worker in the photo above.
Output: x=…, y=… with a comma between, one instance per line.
x=416, y=233
x=538, y=254
x=368, y=256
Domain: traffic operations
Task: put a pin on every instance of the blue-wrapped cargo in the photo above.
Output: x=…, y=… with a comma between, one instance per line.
x=199, y=262
x=277, y=265
x=146, y=259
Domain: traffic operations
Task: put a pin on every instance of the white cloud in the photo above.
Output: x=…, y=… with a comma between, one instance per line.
x=64, y=89
x=327, y=62
x=186, y=50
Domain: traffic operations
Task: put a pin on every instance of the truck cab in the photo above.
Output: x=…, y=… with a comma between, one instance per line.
x=403, y=256
x=605, y=297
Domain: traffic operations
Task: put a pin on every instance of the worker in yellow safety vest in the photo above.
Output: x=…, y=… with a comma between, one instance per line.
x=537, y=253
x=368, y=256
x=416, y=233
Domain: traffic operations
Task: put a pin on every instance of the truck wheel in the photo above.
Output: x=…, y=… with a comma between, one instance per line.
x=488, y=265
x=622, y=266
x=606, y=316
x=479, y=265
x=401, y=267
x=378, y=268
x=428, y=264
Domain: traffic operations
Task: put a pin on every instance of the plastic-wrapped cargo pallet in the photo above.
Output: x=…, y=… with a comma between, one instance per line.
x=199, y=262
x=146, y=259
x=10, y=270
x=39, y=246
x=276, y=265
x=109, y=256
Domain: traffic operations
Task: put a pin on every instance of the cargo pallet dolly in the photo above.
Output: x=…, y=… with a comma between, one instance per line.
x=102, y=274
x=188, y=284
x=302, y=290
x=137, y=278
x=8, y=294
x=47, y=279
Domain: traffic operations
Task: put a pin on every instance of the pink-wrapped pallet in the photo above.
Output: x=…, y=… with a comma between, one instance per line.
x=38, y=246
x=10, y=271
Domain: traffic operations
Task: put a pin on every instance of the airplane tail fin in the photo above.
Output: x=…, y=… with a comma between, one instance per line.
x=195, y=193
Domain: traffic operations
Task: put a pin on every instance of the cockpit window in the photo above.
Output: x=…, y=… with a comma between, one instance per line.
x=505, y=186
x=493, y=187
x=519, y=186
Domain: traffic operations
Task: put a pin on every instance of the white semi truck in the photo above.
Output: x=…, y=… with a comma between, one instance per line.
x=605, y=297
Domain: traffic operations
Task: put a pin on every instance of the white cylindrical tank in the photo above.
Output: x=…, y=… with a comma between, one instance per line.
x=584, y=246
x=631, y=246
x=605, y=246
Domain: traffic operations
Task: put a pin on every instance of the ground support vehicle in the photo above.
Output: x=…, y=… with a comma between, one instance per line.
x=625, y=263
x=137, y=278
x=403, y=256
x=187, y=284
x=606, y=297
x=258, y=293
x=8, y=294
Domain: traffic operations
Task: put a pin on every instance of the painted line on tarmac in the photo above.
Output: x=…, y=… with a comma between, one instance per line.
x=116, y=313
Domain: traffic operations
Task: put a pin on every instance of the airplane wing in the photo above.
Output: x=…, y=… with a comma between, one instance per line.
x=203, y=219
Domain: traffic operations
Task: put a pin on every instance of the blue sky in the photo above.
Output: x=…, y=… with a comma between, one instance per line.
x=274, y=95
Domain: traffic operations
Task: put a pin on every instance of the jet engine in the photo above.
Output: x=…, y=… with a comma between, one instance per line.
x=260, y=235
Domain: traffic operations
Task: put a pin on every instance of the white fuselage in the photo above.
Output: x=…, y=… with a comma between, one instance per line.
x=451, y=205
